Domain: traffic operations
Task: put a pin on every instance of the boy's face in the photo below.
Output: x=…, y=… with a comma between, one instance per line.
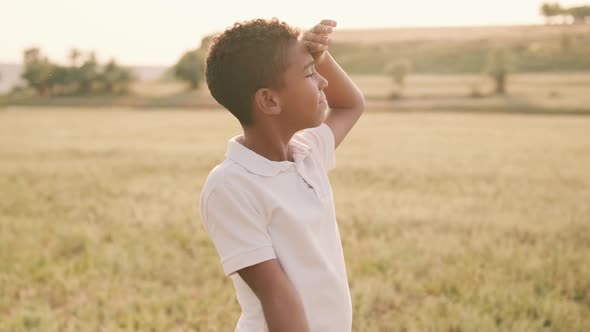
x=302, y=100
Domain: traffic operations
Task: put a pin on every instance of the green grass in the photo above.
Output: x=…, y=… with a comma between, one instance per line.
x=449, y=222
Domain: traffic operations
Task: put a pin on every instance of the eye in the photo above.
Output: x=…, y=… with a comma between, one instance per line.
x=310, y=75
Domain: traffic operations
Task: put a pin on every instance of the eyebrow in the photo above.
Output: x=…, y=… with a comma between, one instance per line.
x=311, y=63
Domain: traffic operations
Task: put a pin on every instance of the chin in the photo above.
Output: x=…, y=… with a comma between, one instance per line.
x=322, y=116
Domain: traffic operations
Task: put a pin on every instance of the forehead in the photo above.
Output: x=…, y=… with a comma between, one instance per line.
x=298, y=56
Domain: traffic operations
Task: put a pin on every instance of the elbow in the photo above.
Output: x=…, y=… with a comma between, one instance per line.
x=284, y=312
x=360, y=104
x=363, y=102
x=360, y=100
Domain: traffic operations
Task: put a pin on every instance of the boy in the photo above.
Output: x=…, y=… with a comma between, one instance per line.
x=268, y=207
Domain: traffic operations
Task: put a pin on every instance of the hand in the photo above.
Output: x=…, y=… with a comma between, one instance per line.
x=317, y=39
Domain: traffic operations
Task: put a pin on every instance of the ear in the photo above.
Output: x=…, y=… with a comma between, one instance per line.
x=267, y=101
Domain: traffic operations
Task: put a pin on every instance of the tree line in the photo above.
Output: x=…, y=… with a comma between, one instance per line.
x=83, y=76
x=577, y=14
x=86, y=76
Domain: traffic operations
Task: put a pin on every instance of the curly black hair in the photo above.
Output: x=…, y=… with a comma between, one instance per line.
x=244, y=58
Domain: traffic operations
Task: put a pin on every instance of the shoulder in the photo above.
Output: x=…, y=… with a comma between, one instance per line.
x=321, y=141
x=218, y=177
x=230, y=193
x=315, y=135
x=227, y=178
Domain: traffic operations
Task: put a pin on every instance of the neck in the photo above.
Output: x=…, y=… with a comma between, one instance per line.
x=270, y=143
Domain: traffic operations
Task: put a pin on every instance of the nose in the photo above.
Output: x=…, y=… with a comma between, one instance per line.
x=322, y=82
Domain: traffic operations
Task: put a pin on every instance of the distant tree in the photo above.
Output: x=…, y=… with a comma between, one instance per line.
x=88, y=74
x=189, y=68
x=74, y=75
x=110, y=76
x=498, y=67
x=47, y=78
x=398, y=70
x=74, y=57
x=58, y=81
x=116, y=79
x=581, y=14
x=551, y=10
x=37, y=71
x=205, y=42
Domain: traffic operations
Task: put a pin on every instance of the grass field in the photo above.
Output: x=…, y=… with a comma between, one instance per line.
x=449, y=222
x=560, y=92
x=531, y=92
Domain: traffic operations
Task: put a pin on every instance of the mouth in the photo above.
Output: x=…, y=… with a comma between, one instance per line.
x=322, y=99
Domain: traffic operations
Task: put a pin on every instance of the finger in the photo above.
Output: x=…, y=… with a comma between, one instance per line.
x=315, y=47
x=328, y=22
x=322, y=39
x=322, y=29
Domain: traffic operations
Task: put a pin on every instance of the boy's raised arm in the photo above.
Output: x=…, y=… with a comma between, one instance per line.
x=280, y=301
x=345, y=99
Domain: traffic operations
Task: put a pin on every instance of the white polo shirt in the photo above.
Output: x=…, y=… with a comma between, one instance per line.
x=255, y=209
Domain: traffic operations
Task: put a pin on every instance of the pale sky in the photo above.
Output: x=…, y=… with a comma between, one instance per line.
x=157, y=32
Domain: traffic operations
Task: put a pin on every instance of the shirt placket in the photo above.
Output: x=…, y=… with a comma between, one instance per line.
x=309, y=184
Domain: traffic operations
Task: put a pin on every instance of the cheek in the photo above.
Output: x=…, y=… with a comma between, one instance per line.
x=312, y=90
x=305, y=94
x=302, y=98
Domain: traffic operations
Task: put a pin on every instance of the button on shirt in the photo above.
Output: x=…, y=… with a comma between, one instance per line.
x=255, y=209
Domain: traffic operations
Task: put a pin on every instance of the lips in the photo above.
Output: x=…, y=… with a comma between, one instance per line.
x=322, y=99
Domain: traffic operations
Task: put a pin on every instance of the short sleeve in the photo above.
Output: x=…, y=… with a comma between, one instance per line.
x=322, y=140
x=236, y=228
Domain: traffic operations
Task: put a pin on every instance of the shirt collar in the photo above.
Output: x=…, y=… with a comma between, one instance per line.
x=260, y=165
